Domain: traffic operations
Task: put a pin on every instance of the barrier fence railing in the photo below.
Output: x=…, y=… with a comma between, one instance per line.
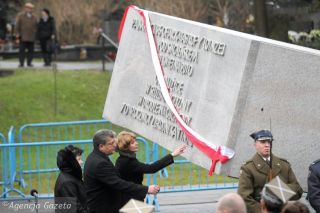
x=4, y=168
x=39, y=162
x=32, y=161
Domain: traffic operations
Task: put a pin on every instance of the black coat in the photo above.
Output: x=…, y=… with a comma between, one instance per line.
x=69, y=187
x=46, y=29
x=132, y=170
x=314, y=185
x=104, y=185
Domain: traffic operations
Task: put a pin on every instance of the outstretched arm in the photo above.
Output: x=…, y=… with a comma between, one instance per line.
x=159, y=164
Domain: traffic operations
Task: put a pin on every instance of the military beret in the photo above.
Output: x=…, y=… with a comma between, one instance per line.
x=276, y=193
x=262, y=135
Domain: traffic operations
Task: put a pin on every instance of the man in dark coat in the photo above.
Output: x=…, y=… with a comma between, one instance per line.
x=103, y=183
x=69, y=187
x=255, y=173
x=26, y=29
x=314, y=185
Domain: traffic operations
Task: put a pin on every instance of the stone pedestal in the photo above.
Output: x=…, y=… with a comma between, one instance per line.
x=226, y=85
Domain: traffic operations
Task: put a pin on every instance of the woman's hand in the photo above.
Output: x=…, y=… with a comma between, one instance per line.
x=179, y=150
x=153, y=189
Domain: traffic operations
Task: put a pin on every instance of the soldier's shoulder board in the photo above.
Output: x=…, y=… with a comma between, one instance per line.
x=284, y=160
x=247, y=162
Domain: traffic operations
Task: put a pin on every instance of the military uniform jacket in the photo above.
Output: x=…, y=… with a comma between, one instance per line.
x=314, y=185
x=254, y=175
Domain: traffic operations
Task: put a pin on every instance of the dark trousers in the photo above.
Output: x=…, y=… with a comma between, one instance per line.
x=26, y=45
x=46, y=50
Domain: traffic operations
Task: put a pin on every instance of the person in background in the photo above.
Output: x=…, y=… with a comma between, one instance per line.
x=46, y=34
x=26, y=29
x=231, y=203
x=255, y=173
x=131, y=169
x=102, y=180
x=69, y=187
x=295, y=207
x=314, y=185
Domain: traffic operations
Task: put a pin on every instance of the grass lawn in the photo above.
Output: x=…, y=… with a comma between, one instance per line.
x=28, y=97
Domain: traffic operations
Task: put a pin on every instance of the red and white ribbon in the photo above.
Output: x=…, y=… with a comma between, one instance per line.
x=214, y=152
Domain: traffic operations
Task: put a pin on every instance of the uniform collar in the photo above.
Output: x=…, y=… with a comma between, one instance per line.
x=264, y=168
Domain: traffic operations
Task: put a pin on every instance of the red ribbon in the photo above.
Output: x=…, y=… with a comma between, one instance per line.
x=215, y=156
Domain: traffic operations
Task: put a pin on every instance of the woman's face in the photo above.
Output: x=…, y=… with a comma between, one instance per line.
x=78, y=158
x=44, y=14
x=133, y=147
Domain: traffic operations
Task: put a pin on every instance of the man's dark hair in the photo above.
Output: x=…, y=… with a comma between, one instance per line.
x=272, y=202
x=100, y=137
x=295, y=207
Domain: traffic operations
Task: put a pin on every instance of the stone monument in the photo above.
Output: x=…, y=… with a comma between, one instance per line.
x=225, y=84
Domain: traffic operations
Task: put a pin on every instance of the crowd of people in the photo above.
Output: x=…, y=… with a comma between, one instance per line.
x=267, y=184
x=28, y=29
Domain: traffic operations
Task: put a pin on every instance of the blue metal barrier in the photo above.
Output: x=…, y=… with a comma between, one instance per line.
x=4, y=175
x=189, y=177
x=32, y=160
x=36, y=167
x=35, y=158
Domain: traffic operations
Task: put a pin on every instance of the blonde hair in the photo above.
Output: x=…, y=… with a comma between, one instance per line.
x=124, y=139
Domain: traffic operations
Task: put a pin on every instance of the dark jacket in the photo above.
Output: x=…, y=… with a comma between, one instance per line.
x=254, y=175
x=132, y=170
x=104, y=185
x=314, y=185
x=69, y=187
x=46, y=29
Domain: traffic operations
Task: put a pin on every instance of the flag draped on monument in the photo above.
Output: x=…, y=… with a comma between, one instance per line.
x=215, y=152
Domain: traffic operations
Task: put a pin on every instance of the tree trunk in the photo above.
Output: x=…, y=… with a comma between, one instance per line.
x=261, y=19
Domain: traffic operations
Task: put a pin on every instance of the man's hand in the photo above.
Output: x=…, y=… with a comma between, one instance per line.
x=178, y=151
x=153, y=189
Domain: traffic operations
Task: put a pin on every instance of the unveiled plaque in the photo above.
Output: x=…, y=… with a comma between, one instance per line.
x=225, y=85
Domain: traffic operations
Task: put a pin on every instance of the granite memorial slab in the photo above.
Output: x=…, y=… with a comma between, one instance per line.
x=225, y=84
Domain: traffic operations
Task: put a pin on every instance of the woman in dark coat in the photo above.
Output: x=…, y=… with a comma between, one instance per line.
x=69, y=187
x=46, y=35
x=131, y=169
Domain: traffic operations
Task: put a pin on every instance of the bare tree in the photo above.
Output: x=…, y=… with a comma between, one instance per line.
x=261, y=19
x=192, y=10
x=75, y=19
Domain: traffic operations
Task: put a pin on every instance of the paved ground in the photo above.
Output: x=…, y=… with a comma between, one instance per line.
x=180, y=202
x=11, y=64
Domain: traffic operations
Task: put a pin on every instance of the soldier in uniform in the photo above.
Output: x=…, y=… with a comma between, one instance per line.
x=314, y=185
x=258, y=171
